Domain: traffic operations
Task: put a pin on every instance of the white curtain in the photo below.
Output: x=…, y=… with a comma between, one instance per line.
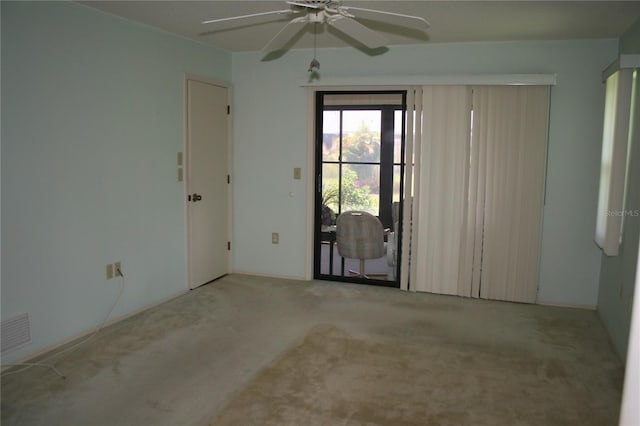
x=441, y=177
x=507, y=190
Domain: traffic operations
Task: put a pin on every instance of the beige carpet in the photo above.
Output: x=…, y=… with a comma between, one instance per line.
x=331, y=378
x=260, y=351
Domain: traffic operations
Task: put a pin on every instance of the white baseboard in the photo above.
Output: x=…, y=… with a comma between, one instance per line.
x=281, y=277
x=567, y=305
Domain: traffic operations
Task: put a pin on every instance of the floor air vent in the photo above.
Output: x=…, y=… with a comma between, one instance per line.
x=16, y=332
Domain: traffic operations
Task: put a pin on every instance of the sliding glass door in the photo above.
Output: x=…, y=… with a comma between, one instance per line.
x=359, y=147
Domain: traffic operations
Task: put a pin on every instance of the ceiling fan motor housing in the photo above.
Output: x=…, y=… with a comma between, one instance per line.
x=317, y=3
x=317, y=17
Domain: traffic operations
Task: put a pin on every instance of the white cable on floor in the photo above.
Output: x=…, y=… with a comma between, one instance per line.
x=29, y=365
x=44, y=363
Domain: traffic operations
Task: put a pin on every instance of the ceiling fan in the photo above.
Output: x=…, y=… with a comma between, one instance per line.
x=334, y=14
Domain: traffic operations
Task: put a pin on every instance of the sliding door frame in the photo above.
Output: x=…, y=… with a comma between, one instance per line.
x=315, y=176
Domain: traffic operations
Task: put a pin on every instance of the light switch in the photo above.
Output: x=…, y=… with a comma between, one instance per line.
x=180, y=174
x=297, y=173
x=180, y=159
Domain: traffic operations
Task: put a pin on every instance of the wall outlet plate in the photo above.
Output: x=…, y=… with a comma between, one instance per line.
x=110, y=271
x=275, y=238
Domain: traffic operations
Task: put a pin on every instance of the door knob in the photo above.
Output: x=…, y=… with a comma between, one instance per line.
x=196, y=197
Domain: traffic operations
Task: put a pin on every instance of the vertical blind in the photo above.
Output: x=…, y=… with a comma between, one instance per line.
x=442, y=187
x=413, y=138
x=510, y=130
x=478, y=191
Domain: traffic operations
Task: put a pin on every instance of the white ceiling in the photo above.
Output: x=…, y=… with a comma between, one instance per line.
x=451, y=21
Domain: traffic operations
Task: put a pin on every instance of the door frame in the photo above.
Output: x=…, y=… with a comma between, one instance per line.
x=311, y=158
x=186, y=155
x=311, y=162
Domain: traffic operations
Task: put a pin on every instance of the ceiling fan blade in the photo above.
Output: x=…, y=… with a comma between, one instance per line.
x=253, y=15
x=280, y=40
x=408, y=21
x=356, y=30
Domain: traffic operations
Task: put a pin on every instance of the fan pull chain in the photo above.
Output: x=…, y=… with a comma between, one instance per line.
x=314, y=66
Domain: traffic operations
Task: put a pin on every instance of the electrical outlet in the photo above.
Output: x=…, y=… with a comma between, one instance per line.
x=297, y=173
x=275, y=238
x=110, y=271
x=117, y=269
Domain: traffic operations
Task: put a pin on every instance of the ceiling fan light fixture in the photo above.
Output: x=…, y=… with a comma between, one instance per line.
x=314, y=65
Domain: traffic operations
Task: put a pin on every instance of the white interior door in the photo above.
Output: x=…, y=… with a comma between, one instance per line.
x=207, y=181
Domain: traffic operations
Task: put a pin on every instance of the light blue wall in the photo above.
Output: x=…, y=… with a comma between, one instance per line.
x=92, y=118
x=618, y=273
x=270, y=125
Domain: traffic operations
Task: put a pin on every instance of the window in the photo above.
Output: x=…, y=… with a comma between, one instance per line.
x=351, y=160
x=613, y=164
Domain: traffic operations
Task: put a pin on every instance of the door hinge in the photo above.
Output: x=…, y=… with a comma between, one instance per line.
x=229, y=245
x=228, y=109
x=228, y=178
